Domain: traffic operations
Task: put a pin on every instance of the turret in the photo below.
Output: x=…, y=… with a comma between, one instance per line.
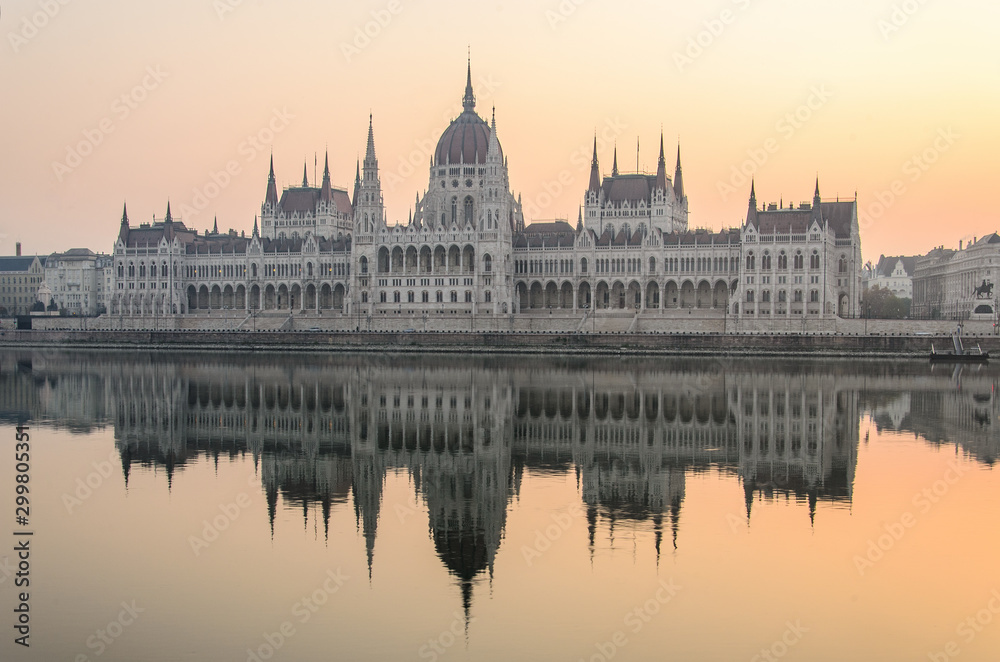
x=326, y=194
x=595, y=171
x=661, y=168
x=752, y=207
x=271, y=199
x=678, y=175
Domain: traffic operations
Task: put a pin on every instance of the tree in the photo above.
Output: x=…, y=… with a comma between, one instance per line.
x=883, y=304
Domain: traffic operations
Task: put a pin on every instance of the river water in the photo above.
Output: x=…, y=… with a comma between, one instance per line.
x=357, y=507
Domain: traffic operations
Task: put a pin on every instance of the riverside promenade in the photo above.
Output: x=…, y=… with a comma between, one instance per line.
x=915, y=345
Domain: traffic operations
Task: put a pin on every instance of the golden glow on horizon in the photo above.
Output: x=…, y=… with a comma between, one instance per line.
x=554, y=79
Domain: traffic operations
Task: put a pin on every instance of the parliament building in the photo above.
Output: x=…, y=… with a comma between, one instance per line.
x=321, y=257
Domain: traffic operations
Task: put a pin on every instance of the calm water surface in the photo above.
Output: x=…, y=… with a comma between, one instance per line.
x=289, y=507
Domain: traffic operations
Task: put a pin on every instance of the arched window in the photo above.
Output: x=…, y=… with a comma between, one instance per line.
x=797, y=262
x=751, y=264
x=814, y=260
x=364, y=265
x=142, y=270
x=309, y=269
x=765, y=261
x=253, y=270
x=842, y=267
x=749, y=296
x=121, y=270
x=468, y=218
x=782, y=260
x=487, y=263
x=454, y=210
x=583, y=265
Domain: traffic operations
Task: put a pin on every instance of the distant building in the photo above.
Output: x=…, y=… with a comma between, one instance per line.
x=894, y=274
x=945, y=281
x=78, y=281
x=20, y=278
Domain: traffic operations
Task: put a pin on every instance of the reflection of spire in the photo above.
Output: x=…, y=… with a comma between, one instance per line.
x=675, y=518
x=658, y=536
x=272, y=504
x=126, y=455
x=748, y=496
x=812, y=507
x=591, y=529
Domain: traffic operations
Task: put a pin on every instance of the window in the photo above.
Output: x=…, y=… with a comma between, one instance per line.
x=468, y=296
x=410, y=297
x=797, y=261
x=765, y=296
x=782, y=260
x=798, y=296
x=425, y=297
x=583, y=265
x=751, y=262
x=439, y=297
x=765, y=262
x=814, y=260
x=814, y=296
x=782, y=296
x=749, y=296
x=454, y=296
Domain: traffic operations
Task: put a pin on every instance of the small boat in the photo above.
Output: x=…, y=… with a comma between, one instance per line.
x=960, y=353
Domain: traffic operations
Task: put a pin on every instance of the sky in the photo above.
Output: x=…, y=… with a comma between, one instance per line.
x=107, y=102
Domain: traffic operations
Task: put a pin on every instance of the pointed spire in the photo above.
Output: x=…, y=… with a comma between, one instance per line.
x=370, y=153
x=169, y=218
x=305, y=174
x=326, y=194
x=579, y=221
x=817, y=206
x=272, y=187
x=469, y=100
x=752, y=207
x=256, y=233
x=215, y=226
x=614, y=168
x=125, y=214
x=678, y=176
x=661, y=168
x=595, y=171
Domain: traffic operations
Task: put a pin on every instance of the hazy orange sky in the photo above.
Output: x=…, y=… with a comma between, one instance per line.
x=110, y=101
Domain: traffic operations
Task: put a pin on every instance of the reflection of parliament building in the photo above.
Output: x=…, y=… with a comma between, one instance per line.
x=325, y=432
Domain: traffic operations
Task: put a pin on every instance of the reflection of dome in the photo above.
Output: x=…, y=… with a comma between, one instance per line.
x=468, y=137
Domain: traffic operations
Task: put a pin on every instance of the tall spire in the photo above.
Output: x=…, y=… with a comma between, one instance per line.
x=256, y=232
x=469, y=100
x=614, y=168
x=817, y=206
x=305, y=174
x=752, y=207
x=595, y=171
x=215, y=226
x=125, y=213
x=272, y=188
x=326, y=194
x=661, y=167
x=678, y=175
x=169, y=218
x=370, y=152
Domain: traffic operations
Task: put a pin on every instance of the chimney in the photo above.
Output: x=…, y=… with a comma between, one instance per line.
x=18, y=249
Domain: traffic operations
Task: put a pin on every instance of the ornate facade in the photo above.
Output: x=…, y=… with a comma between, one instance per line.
x=467, y=254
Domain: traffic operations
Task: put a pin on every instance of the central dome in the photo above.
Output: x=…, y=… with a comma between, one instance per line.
x=467, y=138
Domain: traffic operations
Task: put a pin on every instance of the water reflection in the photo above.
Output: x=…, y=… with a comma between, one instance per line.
x=325, y=432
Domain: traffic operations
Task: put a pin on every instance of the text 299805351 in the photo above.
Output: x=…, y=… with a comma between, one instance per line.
x=22, y=536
